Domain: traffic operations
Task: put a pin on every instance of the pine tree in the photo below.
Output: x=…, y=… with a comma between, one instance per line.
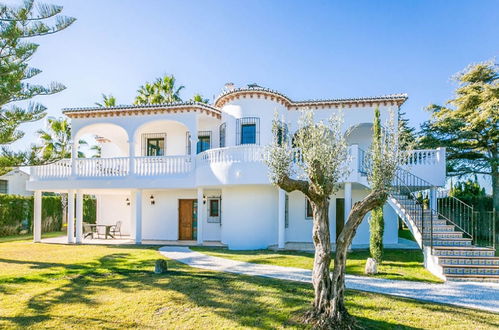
x=468, y=126
x=18, y=25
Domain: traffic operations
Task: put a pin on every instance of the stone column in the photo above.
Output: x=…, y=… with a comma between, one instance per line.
x=71, y=216
x=433, y=198
x=79, y=217
x=137, y=214
x=348, y=199
x=281, y=239
x=37, y=217
x=201, y=214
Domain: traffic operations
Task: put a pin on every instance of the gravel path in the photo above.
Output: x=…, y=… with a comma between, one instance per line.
x=484, y=296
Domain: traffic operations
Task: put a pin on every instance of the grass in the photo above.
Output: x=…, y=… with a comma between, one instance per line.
x=397, y=264
x=26, y=237
x=113, y=287
x=406, y=233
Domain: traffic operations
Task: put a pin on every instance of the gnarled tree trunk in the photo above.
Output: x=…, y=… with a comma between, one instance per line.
x=339, y=314
x=321, y=279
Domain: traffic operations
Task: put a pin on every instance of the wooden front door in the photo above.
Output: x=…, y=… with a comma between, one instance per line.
x=187, y=219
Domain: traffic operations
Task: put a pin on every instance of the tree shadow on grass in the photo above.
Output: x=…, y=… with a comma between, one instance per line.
x=250, y=301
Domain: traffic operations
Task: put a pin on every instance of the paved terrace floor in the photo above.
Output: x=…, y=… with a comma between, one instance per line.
x=125, y=240
x=484, y=296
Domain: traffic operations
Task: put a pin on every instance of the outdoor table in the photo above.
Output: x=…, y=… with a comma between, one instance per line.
x=108, y=230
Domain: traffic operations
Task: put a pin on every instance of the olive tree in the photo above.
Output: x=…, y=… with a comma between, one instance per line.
x=314, y=161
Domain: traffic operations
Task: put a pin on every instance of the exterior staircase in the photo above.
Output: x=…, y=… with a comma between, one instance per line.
x=452, y=248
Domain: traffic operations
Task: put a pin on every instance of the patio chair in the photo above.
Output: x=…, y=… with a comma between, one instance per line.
x=116, y=229
x=89, y=230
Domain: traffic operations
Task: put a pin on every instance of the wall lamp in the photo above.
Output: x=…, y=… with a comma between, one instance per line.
x=127, y=201
x=152, y=200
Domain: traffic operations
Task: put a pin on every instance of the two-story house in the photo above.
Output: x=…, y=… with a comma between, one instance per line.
x=194, y=171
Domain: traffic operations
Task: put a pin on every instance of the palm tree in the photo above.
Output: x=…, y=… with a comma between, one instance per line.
x=107, y=101
x=162, y=90
x=56, y=141
x=199, y=98
x=97, y=149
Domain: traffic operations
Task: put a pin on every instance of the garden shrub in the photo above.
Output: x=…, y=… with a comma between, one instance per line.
x=16, y=213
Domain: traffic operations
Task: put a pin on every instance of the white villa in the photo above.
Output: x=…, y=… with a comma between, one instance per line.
x=194, y=171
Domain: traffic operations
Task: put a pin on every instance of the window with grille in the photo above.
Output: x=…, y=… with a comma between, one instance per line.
x=204, y=141
x=309, y=213
x=222, y=134
x=248, y=131
x=154, y=144
x=4, y=186
x=282, y=133
x=214, y=210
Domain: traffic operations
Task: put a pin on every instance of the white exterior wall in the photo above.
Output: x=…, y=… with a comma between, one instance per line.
x=249, y=217
x=16, y=182
x=113, y=208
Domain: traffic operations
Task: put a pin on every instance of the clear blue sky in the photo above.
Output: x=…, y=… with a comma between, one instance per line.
x=305, y=49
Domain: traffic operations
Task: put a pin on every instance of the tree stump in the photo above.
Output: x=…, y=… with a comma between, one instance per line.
x=161, y=266
x=371, y=266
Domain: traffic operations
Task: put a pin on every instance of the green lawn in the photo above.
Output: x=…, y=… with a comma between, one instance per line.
x=29, y=237
x=398, y=264
x=113, y=287
x=406, y=233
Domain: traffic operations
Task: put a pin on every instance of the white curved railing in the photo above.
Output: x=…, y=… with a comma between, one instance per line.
x=243, y=153
x=146, y=166
x=102, y=167
x=59, y=169
x=422, y=157
x=419, y=162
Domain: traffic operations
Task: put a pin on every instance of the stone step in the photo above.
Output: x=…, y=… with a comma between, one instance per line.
x=471, y=270
x=471, y=277
x=462, y=251
x=440, y=228
x=469, y=261
x=439, y=235
x=450, y=241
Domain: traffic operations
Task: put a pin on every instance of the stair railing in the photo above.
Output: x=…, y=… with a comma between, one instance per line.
x=477, y=226
x=402, y=189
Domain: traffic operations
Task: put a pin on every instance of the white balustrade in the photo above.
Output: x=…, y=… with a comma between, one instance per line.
x=102, y=167
x=147, y=166
x=243, y=153
x=59, y=169
x=422, y=157
x=174, y=165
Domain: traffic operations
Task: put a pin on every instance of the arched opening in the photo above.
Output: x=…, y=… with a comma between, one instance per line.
x=111, y=140
x=162, y=138
x=360, y=134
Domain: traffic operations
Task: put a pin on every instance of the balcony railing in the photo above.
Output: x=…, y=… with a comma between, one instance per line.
x=180, y=165
x=147, y=166
x=102, y=167
x=243, y=153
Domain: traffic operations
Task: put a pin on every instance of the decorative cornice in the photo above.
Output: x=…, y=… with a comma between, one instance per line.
x=226, y=97
x=265, y=93
x=145, y=109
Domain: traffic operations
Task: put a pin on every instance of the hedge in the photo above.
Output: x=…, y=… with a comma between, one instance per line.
x=16, y=213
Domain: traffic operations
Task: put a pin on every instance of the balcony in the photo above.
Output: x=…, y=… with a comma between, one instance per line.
x=231, y=165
